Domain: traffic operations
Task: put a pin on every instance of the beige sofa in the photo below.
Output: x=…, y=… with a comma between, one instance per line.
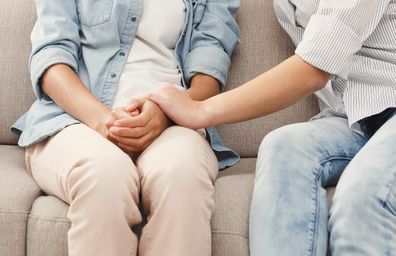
x=34, y=224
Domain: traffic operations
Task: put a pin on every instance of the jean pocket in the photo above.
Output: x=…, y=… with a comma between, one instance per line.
x=94, y=12
x=199, y=9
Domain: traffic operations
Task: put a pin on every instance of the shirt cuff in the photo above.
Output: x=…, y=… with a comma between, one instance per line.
x=329, y=44
x=44, y=59
x=211, y=61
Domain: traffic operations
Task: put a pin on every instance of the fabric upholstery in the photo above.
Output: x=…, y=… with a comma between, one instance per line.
x=233, y=191
x=263, y=45
x=47, y=227
x=17, y=193
x=17, y=18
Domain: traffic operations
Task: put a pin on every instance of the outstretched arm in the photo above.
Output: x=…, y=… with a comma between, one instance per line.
x=135, y=133
x=330, y=40
x=274, y=90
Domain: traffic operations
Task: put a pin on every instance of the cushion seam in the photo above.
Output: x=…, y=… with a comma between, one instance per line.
x=49, y=220
x=229, y=233
x=14, y=212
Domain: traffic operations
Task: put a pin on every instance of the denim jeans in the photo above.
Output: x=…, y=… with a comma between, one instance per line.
x=289, y=213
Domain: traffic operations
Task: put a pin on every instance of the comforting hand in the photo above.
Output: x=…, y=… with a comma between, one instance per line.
x=179, y=107
x=134, y=133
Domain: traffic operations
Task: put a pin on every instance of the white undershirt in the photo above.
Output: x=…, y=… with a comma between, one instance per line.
x=151, y=61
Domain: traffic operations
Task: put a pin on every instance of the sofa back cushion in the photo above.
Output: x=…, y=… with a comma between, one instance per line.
x=16, y=95
x=263, y=45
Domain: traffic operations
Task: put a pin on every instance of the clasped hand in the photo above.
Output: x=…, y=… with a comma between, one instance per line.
x=135, y=127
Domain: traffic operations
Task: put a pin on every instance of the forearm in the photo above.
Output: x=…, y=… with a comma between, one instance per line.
x=203, y=87
x=272, y=91
x=64, y=87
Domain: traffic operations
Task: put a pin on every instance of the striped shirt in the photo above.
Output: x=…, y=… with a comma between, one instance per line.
x=355, y=40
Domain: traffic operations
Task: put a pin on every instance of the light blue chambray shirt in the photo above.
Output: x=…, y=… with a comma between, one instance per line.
x=94, y=37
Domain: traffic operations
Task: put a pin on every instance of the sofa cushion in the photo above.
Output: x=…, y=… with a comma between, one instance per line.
x=233, y=191
x=263, y=45
x=17, y=19
x=47, y=227
x=17, y=193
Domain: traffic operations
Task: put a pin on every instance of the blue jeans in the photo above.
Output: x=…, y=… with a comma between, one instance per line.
x=289, y=212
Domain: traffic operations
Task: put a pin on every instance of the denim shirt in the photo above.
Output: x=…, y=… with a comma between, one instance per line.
x=94, y=38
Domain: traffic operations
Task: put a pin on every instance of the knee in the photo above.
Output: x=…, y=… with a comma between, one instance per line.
x=286, y=153
x=190, y=165
x=106, y=172
x=284, y=141
x=183, y=178
x=180, y=180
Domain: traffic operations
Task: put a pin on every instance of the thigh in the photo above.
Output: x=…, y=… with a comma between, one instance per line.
x=178, y=157
x=178, y=146
x=317, y=150
x=373, y=169
x=52, y=161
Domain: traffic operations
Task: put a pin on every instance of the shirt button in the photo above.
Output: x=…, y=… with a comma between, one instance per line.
x=122, y=54
x=113, y=75
x=133, y=19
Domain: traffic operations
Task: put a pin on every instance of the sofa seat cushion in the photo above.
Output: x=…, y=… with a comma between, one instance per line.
x=233, y=192
x=47, y=227
x=17, y=194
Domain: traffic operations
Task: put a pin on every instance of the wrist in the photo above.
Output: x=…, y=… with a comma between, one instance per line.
x=100, y=121
x=207, y=118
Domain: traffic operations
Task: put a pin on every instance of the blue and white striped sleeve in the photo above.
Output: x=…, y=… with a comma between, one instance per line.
x=337, y=31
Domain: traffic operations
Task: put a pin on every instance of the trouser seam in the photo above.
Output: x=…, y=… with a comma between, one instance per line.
x=314, y=221
x=313, y=230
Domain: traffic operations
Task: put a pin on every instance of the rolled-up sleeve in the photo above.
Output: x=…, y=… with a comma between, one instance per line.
x=337, y=31
x=213, y=39
x=55, y=39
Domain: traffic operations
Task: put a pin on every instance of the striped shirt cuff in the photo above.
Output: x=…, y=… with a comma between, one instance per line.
x=328, y=44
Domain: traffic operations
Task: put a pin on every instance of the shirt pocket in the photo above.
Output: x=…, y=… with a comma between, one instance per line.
x=94, y=12
x=198, y=10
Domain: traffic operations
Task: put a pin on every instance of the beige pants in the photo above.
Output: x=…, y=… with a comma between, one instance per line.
x=101, y=183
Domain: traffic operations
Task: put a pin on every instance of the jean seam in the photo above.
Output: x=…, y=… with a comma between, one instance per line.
x=388, y=237
x=314, y=220
x=313, y=230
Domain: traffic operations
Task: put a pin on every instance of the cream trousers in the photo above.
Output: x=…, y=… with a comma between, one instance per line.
x=174, y=178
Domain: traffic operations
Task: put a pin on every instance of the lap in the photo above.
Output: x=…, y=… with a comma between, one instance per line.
x=325, y=138
x=175, y=150
x=373, y=170
x=54, y=159
x=318, y=149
